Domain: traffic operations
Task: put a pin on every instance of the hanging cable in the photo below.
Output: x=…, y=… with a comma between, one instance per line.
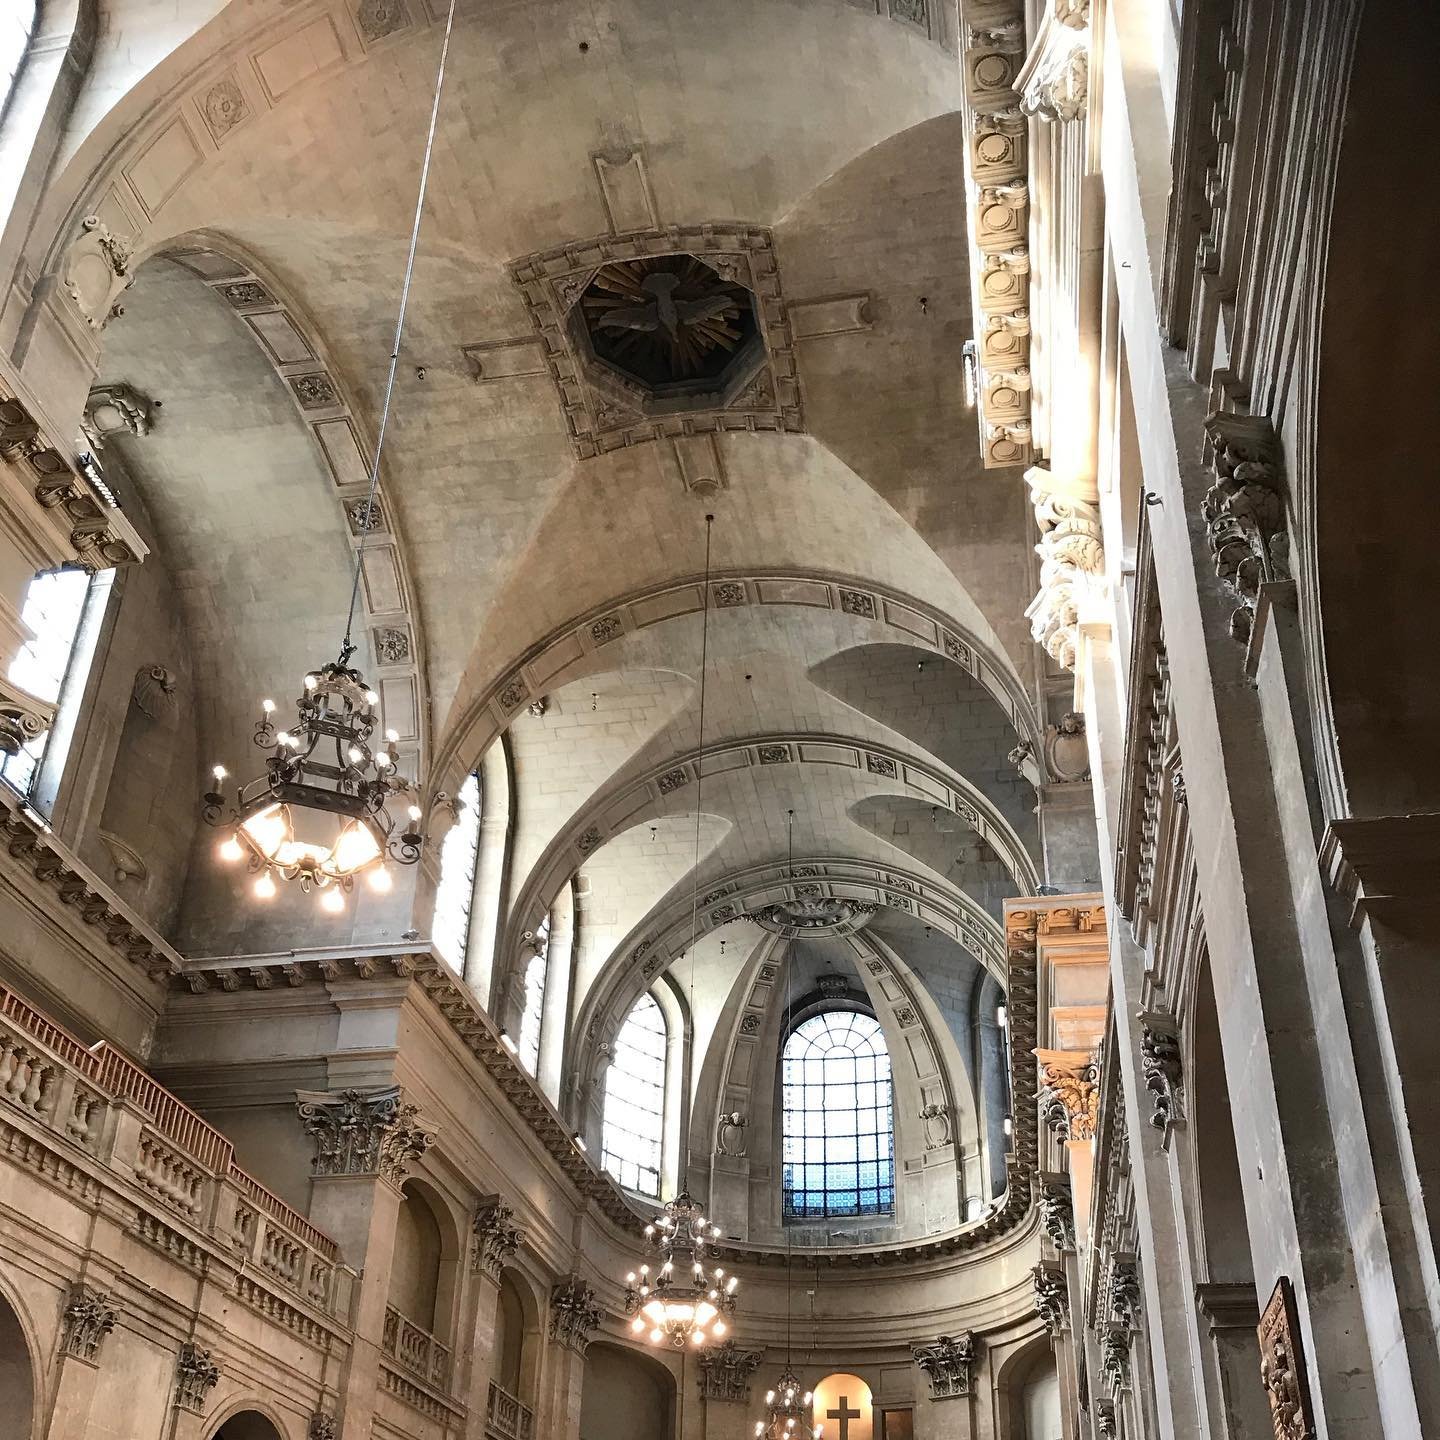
x=368, y=514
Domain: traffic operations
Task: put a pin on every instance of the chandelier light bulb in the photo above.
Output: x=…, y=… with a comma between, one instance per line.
x=231, y=851
x=283, y=738
x=265, y=887
x=380, y=881
x=415, y=812
x=383, y=760
x=356, y=754
x=219, y=772
x=637, y=1324
x=371, y=697
x=332, y=900
x=392, y=736
x=656, y=1336
x=718, y=1329
x=311, y=681
x=268, y=706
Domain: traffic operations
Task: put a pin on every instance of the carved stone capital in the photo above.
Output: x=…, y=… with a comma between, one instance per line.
x=1072, y=564
x=1057, y=1210
x=1052, y=1299
x=89, y=1318
x=496, y=1237
x=1163, y=1068
x=1244, y=510
x=574, y=1314
x=725, y=1372
x=196, y=1375
x=359, y=1133
x=22, y=718
x=1069, y=1095
x=1055, y=83
x=322, y=1427
x=949, y=1364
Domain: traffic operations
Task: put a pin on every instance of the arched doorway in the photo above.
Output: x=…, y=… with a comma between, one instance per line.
x=626, y=1396
x=248, y=1425
x=17, y=1375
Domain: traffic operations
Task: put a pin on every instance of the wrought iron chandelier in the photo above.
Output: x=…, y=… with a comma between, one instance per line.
x=309, y=817
x=685, y=1301
x=788, y=1411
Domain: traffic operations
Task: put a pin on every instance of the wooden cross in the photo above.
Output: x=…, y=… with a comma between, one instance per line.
x=844, y=1415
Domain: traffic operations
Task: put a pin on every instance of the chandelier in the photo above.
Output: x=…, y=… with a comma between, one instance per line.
x=321, y=811
x=313, y=817
x=787, y=1411
x=683, y=1302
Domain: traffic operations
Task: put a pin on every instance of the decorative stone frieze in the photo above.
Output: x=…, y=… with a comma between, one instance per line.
x=196, y=1375
x=1162, y=1066
x=1052, y=1300
x=949, y=1364
x=574, y=1314
x=725, y=1372
x=1244, y=510
x=496, y=1237
x=356, y=1133
x=89, y=1318
x=1057, y=1210
x=1072, y=564
x=1282, y=1366
x=997, y=161
x=1069, y=1097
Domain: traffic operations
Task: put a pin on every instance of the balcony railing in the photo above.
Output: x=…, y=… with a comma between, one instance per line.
x=505, y=1417
x=417, y=1350
x=181, y=1162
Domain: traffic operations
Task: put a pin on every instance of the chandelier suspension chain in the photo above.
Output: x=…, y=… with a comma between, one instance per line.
x=384, y=425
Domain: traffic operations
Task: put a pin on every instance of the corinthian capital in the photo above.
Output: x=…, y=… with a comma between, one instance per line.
x=1072, y=562
x=363, y=1133
x=1069, y=1095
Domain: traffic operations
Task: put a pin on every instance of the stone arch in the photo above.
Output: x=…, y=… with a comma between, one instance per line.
x=1371, y=685
x=1020, y=1376
x=627, y=1394
x=519, y=1338
x=250, y=1420
x=21, y=1381
x=425, y=1270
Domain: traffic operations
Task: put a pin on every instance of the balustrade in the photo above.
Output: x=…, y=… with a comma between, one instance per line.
x=505, y=1417
x=415, y=1349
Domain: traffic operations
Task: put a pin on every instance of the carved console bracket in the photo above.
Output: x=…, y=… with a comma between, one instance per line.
x=574, y=1314
x=1052, y=1299
x=1057, y=1210
x=496, y=1237
x=360, y=1133
x=1055, y=83
x=1072, y=564
x=950, y=1365
x=1163, y=1068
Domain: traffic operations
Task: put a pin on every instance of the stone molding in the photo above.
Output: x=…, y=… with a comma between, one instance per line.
x=1244, y=511
x=496, y=1237
x=89, y=1317
x=574, y=1314
x=997, y=167
x=725, y=1372
x=196, y=1375
x=542, y=668
x=1384, y=866
x=949, y=1364
x=360, y=1133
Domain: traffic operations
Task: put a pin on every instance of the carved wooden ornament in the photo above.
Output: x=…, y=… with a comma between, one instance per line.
x=1282, y=1366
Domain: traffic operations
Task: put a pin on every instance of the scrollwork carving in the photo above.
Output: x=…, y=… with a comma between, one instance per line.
x=496, y=1237
x=574, y=1314
x=949, y=1364
x=356, y=1133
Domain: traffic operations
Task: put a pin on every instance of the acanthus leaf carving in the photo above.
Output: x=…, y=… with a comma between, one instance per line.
x=1163, y=1068
x=89, y=1318
x=1072, y=564
x=949, y=1364
x=1069, y=1095
x=497, y=1237
x=725, y=1372
x=1057, y=1210
x=196, y=1375
x=1052, y=1300
x=359, y=1133
x=574, y=1314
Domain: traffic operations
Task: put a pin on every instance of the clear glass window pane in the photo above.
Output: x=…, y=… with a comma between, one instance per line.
x=634, y=1124
x=836, y=1111
x=450, y=928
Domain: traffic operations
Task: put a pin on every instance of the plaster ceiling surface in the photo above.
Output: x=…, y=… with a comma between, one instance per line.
x=833, y=129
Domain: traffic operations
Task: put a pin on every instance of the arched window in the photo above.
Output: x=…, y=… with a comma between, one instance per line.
x=838, y=1126
x=450, y=929
x=533, y=1017
x=631, y=1140
x=53, y=608
x=17, y=24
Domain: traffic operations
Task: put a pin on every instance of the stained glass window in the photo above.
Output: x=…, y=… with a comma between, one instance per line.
x=838, y=1126
x=52, y=610
x=635, y=1100
x=450, y=929
x=532, y=1020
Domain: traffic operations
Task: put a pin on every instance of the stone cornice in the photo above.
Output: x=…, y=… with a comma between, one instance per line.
x=30, y=849
x=481, y=1037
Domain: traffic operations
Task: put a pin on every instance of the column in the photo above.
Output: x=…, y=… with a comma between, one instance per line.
x=949, y=1366
x=496, y=1238
x=89, y=1317
x=364, y=1145
x=574, y=1316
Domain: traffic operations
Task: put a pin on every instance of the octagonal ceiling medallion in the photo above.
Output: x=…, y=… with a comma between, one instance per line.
x=671, y=332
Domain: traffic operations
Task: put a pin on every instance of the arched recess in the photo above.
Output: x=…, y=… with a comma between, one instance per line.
x=519, y=1342
x=425, y=1278
x=20, y=1380
x=1027, y=1392
x=249, y=1424
x=626, y=1395
x=1364, y=559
